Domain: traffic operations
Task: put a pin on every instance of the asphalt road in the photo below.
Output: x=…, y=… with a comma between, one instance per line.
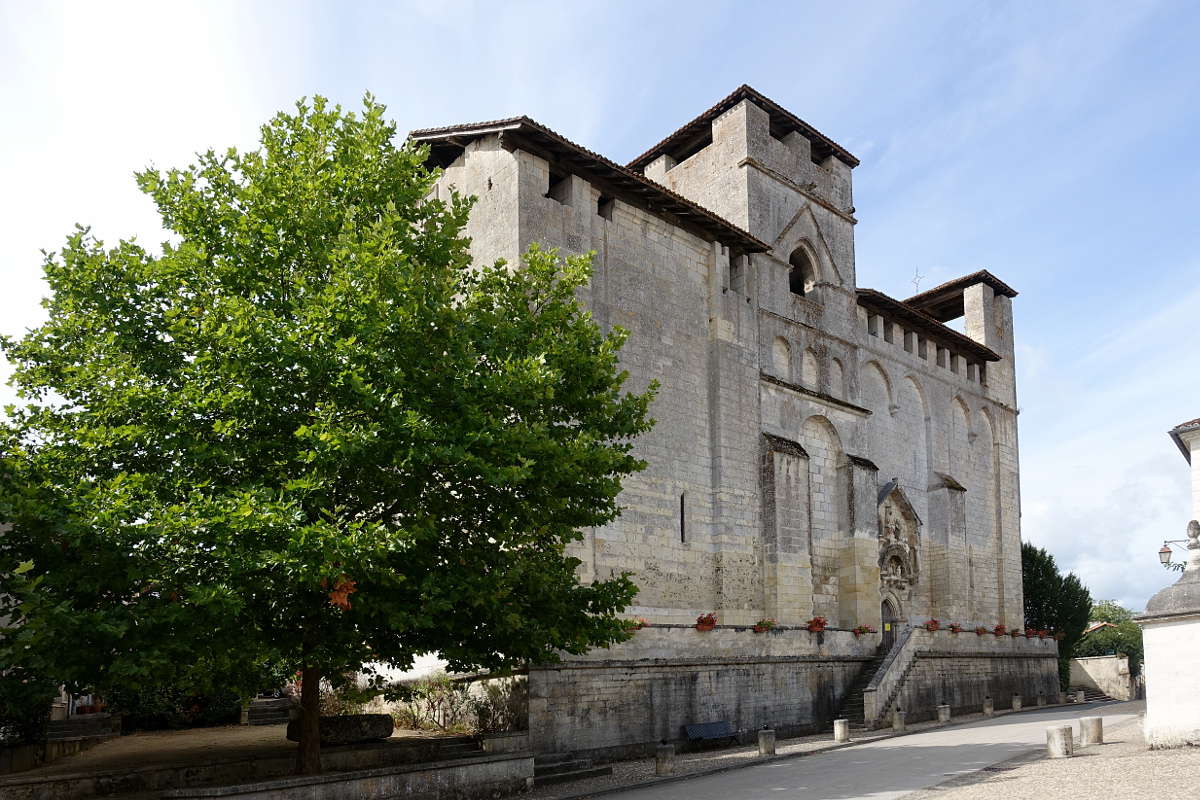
x=889, y=768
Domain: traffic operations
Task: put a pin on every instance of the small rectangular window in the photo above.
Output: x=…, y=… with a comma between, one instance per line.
x=560, y=188
x=873, y=325
x=683, y=517
x=888, y=331
x=909, y=339
x=604, y=207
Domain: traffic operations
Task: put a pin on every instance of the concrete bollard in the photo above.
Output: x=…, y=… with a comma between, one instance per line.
x=1041, y=698
x=1062, y=698
x=664, y=759
x=1079, y=698
x=1091, y=731
x=1016, y=706
x=841, y=730
x=943, y=713
x=766, y=742
x=244, y=718
x=898, y=718
x=988, y=708
x=1059, y=742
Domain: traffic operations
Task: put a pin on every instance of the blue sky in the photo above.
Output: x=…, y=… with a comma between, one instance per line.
x=1052, y=143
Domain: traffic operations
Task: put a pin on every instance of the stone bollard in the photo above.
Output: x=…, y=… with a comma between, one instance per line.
x=244, y=718
x=1059, y=743
x=1041, y=698
x=1079, y=698
x=898, y=718
x=766, y=742
x=988, y=708
x=1062, y=698
x=1016, y=702
x=841, y=730
x=664, y=759
x=1091, y=731
x=943, y=713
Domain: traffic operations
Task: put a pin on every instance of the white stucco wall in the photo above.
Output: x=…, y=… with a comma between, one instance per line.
x=1172, y=692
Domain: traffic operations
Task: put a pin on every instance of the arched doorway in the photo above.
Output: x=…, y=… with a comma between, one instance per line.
x=890, y=617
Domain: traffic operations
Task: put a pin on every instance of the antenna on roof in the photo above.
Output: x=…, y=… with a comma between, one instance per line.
x=916, y=280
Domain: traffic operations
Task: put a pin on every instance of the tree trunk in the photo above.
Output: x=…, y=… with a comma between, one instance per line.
x=308, y=756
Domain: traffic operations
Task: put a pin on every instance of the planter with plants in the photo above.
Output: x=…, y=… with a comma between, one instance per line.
x=861, y=629
x=706, y=622
x=1000, y=630
x=980, y=630
x=764, y=625
x=932, y=625
x=954, y=627
x=817, y=624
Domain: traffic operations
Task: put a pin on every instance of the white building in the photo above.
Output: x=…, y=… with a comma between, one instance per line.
x=1171, y=631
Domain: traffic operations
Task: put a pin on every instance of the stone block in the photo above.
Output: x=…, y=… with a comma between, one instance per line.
x=766, y=742
x=664, y=759
x=841, y=730
x=348, y=729
x=1059, y=741
x=1091, y=731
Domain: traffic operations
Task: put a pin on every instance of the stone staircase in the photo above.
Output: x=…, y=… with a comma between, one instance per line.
x=84, y=726
x=269, y=711
x=550, y=769
x=852, y=704
x=1091, y=695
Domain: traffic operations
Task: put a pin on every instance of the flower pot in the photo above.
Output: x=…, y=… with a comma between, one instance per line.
x=815, y=628
x=760, y=629
x=705, y=626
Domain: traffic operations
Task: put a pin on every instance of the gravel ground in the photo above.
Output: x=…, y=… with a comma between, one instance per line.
x=639, y=773
x=1120, y=769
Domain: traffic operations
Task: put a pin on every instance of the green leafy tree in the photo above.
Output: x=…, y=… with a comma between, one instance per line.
x=1056, y=602
x=309, y=434
x=1123, y=638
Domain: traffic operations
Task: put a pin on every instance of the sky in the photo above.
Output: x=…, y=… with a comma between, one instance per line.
x=1051, y=143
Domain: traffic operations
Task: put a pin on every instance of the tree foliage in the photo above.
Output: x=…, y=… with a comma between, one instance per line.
x=1054, y=601
x=1125, y=638
x=309, y=434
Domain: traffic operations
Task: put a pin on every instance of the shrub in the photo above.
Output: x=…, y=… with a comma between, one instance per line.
x=156, y=708
x=24, y=707
x=502, y=706
x=433, y=703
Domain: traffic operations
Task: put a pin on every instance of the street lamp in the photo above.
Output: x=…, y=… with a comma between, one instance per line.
x=1164, y=554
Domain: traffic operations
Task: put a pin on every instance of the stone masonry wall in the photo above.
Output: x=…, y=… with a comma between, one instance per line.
x=623, y=701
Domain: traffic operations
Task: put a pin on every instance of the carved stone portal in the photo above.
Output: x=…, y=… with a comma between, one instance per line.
x=899, y=541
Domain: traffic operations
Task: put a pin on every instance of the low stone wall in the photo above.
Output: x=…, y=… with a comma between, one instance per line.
x=962, y=669
x=392, y=754
x=458, y=779
x=624, y=700
x=1108, y=674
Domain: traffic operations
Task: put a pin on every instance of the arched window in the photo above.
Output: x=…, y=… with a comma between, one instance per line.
x=803, y=275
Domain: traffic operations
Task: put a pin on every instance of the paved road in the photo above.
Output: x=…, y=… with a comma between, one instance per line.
x=890, y=768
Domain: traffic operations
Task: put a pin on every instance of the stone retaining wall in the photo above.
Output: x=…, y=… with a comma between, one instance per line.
x=460, y=779
x=622, y=701
x=647, y=689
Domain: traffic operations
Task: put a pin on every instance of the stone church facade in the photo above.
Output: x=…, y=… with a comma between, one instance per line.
x=821, y=450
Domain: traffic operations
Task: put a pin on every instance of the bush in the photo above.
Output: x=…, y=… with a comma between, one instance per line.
x=24, y=707
x=168, y=707
x=433, y=703
x=502, y=706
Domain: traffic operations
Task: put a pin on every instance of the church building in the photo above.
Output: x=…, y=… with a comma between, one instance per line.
x=822, y=451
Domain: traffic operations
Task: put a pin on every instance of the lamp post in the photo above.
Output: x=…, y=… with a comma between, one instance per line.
x=1164, y=554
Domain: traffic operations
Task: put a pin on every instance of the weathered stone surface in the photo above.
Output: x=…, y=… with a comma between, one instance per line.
x=816, y=453
x=1091, y=731
x=348, y=729
x=1059, y=741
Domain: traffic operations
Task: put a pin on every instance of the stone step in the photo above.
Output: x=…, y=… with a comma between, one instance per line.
x=557, y=767
x=574, y=775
